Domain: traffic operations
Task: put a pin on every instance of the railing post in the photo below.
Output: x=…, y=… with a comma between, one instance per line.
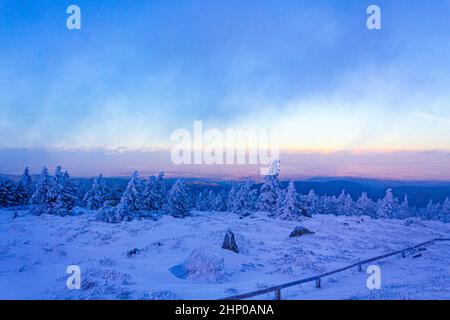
x=278, y=294
x=318, y=280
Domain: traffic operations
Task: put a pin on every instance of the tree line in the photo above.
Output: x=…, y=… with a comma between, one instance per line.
x=150, y=197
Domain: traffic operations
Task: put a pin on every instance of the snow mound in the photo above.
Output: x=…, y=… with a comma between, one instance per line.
x=203, y=261
x=202, y=264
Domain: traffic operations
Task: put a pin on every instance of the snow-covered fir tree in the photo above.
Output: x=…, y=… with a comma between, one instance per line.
x=39, y=199
x=245, y=200
x=155, y=193
x=115, y=195
x=404, y=210
x=7, y=192
x=330, y=205
x=388, y=206
x=232, y=195
x=445, y=211
x=61, y=195
x=67, y=198
x=24, y=189
x=55, y=185
x=220, y=203
x=432, y=211
x=365, y=206
x=178, y=202
x=269, y=196
x=345, y=205
x=321, y=207
x=309, y=203
x=211, y=200
x=290, y=206
x=132, y=200
x=97, y=195
x=206, y=201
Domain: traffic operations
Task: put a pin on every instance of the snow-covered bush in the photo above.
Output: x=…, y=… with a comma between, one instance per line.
x=204, y=262
x=108, y=214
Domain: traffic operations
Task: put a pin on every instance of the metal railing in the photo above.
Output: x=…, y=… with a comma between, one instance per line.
x=317, y=279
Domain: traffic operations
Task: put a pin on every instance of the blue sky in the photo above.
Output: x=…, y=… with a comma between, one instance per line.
x=138, y=70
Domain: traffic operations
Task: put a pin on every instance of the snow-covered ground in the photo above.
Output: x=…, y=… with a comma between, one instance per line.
x=36, y=250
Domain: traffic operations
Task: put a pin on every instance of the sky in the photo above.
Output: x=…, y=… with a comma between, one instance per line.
x=139, y=70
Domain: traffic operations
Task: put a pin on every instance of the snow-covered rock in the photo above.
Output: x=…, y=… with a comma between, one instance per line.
x=300, y=231
x=229, y=243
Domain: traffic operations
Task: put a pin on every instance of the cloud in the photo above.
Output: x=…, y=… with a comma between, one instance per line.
x=431, y=165
x=433, y=118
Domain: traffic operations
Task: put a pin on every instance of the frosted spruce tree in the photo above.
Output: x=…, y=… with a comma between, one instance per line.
x=232, y=196
x=330, y=205
x=210, y=201
x=403, y=209
x=220, y=203
x=445, y=212
x=321, y=206
x=39, y=199
x=155, y=193
x=290, y=207
x=67, y=198
x=178, y=202
x=345, y=204
x=97, y=195
x=432, y=211
x=61, y=195
x=200, y=203
x=270, y=193
x=245, y=200
x=206, y=201
x=132, y=200
x=55, y=185
x=388, y=206
x=7, y=192
x=309, y=203
x=365, y=206
x=24, y=189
